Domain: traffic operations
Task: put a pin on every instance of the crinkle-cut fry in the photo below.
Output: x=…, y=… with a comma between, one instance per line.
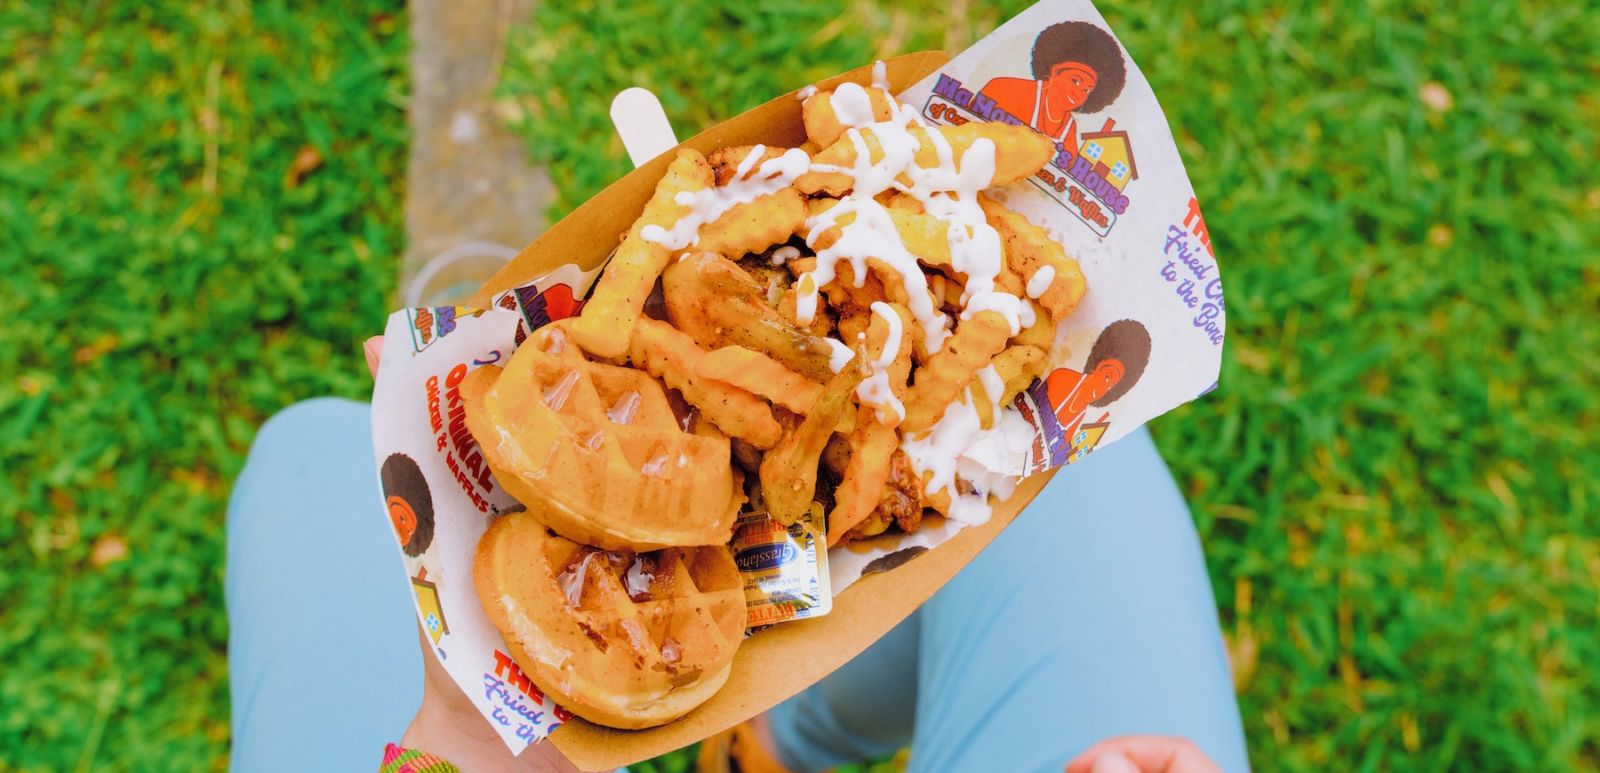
x=1007, y=281
x=822, y=122
x=725, y=161
x=1017, y=367
x=1019, y=151
x=982, y=403
x=924, y=236
x=939, y=382
x=605, y=325
x=759, y=375
x=945, y=290
x=755, y=225
x=859, y=491
x=672, y=356
x=899, y=369
x=894, y=291
x=930, y=236
x=846, y=294
x=896, y=201
x=1028, y=248
x=1042, y=333
x=718, y=303
x=789, y=471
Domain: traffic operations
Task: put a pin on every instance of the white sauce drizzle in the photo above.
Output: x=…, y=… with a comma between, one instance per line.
x=1039, y=283
x=947, y=190
x=880, y=78
x=805, y=93
x=993, y=386
x=708, y=204
x=839, y=356
x=852, y=106
x=960, y=428
x=875, y=391
x=891, y=345
x=805, y=299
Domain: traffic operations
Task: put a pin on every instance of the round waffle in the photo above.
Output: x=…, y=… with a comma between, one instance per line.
x=624, y=640
x=601, y=446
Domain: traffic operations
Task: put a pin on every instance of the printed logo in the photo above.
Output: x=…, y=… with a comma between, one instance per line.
x=427, y=594
x=540, y=307
x=1065, y=396
x=762, y=557
x=1078, y=68
x=431, y=323
x=409, y=502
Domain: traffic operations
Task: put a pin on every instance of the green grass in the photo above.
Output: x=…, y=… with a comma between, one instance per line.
x=1395, y=484
x=165, y=292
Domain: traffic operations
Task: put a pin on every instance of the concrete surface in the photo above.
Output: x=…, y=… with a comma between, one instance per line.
x=468, y=179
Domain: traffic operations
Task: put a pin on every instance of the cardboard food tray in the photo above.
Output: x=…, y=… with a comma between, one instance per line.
x=782, y=660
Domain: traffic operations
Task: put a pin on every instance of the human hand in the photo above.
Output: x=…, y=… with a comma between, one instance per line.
x=447, y=725
x=1143, y=754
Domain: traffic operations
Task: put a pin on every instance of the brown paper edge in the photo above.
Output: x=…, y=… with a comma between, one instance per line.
x=785, y=659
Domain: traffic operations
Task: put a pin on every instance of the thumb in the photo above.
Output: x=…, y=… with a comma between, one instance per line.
x=372, y=348
x=1114, y=762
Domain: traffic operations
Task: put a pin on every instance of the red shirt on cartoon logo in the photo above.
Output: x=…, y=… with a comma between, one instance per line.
x=559, y=303
x=1077, y=67
x=1115, y=363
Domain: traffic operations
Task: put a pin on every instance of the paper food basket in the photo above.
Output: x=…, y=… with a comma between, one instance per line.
x=1118, y=199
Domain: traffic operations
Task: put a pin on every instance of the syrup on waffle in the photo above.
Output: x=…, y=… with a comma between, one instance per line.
x=625, y=640
x=601, y=445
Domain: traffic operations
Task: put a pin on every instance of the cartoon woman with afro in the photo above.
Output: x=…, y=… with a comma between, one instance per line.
x=410, y=504
x=1077, y=68
x=1115, y=363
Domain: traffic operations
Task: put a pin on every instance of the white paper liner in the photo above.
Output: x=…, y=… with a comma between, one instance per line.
x=1139, y=239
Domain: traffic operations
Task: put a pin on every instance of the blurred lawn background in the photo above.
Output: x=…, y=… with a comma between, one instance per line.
x=200, y=220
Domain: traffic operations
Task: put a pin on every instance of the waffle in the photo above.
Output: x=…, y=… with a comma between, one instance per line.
x=601, y=446
x=624, y=640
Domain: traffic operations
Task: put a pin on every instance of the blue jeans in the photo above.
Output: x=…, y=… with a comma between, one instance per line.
x=1090, y=616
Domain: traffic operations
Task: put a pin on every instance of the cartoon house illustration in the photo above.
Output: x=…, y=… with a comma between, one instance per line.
x=428, y=602
x=1087, y=438
x=1111, y=153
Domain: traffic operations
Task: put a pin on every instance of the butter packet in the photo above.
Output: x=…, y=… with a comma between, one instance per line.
x=785, y=570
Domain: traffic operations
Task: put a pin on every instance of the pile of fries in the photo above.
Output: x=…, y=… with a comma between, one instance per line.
x=853, y=314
